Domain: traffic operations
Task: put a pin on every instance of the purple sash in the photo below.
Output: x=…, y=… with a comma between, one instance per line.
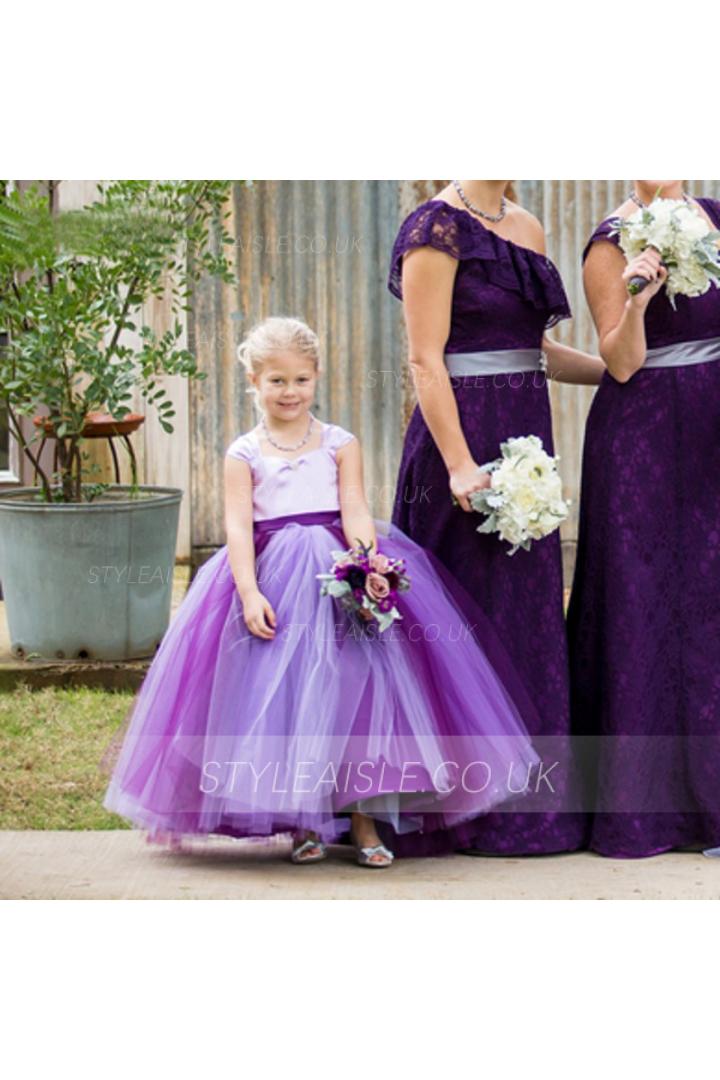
x=265, y=527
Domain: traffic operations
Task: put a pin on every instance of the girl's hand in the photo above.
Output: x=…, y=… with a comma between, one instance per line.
x=646, y=265
x=259, y=615
x=465, y=480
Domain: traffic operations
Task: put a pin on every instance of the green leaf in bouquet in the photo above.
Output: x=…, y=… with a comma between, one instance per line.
x=364, y=548
x=488, y=525
x=525, y=544
x=384, y=620
x=338, y=588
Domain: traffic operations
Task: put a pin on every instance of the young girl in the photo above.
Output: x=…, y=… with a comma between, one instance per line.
x=268, y=709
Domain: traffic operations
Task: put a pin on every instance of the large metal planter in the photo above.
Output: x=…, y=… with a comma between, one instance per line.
x=88, y=580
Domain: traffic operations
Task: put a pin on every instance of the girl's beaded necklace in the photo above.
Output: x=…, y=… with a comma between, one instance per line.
x=278, y=446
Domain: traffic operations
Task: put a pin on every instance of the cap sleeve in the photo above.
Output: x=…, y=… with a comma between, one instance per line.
x=337, y=437
x=604, y=231
x=431, y=225
x=242, y=448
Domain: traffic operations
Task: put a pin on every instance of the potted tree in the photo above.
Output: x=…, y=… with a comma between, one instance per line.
x=87, y=566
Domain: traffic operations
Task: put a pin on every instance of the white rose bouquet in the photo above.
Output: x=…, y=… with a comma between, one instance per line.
x=524, y=501
x=685, y=242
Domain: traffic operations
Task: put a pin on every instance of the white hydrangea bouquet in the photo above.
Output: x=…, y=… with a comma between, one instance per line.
x=687, y=245
x=524, y=500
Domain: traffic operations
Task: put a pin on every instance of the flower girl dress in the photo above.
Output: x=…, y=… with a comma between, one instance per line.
x=422, y=726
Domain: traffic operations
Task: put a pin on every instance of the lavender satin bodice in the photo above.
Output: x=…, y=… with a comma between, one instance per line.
x=695, y=318
x=283, y=486
x=504, y=297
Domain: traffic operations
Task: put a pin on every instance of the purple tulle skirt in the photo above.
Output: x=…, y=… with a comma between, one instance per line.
x=422, y=726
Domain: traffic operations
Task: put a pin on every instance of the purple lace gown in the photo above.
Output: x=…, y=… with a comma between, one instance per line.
x=504, y=298
x=235, y=735
x=644, y=616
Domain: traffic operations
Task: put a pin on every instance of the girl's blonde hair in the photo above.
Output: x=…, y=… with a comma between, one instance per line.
x=279, y=333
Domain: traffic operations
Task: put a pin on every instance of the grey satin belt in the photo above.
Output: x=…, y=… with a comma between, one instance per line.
x=685, y=352
x=498, y=362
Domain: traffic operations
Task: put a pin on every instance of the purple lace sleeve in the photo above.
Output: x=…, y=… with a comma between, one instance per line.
x=430, y=225
x=604, y=231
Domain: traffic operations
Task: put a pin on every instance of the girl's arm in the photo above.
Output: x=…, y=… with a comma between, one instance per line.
x=257, y=610
x=620, y=318
x=567, y=365
x=428, y=277
x=357, y=520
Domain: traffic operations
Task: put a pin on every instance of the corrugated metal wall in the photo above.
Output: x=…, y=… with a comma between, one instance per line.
x=320, y=250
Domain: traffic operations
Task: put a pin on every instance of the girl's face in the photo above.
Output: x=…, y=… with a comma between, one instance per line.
x=286, y=385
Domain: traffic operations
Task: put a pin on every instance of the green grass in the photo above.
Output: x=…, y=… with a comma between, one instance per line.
x=51, y=745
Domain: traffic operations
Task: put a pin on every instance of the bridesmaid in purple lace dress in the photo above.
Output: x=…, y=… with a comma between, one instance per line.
x=644, y=617
x=478, y=294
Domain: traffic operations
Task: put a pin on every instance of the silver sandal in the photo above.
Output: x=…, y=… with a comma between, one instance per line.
x=298, y=855
x=364, y=855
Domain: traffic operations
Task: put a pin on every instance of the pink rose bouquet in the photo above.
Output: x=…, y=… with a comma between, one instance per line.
x=366, y=583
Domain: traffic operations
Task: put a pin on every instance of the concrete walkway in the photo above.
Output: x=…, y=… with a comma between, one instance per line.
x=121, y=865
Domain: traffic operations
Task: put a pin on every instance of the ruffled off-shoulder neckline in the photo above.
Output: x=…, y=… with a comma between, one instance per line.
x=504, y=263
x=476, y=223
